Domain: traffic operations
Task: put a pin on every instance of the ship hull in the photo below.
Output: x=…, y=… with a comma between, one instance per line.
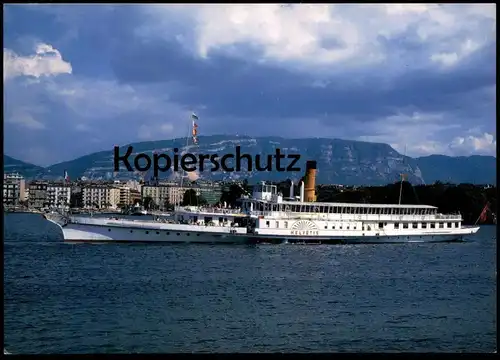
x=75, y=233
x=456, y=236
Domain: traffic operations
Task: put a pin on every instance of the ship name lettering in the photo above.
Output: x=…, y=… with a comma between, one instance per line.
x=304, y=232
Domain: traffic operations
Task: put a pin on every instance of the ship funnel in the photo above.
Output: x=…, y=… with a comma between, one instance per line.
x=310, y=181
x=291, y=189
x=302, y=185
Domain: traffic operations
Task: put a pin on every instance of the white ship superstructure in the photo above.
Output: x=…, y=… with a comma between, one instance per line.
x=266, y=216
x=185, y=227
x=306, y=220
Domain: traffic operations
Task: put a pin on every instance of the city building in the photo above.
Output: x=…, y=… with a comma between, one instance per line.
x=211, y=192
x=158, y=194
x=135, y=196
x=38, y=197
x=11, y=193
x=14, y=188
x=76, y=197
x=58, y=194
x=166, y=194
x=100, y=196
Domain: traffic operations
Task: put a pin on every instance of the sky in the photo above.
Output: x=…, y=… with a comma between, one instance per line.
x=83, y=78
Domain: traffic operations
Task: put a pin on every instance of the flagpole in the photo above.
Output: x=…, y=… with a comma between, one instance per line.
x=193, y=135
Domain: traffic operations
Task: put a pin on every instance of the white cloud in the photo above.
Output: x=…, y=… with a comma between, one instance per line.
x=426, y=134
x=145, y=132
x=155, y=131
x=416, y=133
x=82, y=127
x=46, y=61
x=485, y=144
x=24, y=117
x=325, y=34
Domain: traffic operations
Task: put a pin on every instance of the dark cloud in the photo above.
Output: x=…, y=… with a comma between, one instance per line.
x=231, y=90
x=238, y=88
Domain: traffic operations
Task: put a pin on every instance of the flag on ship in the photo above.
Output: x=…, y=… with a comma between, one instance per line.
x=66, y=177
x=194, y=117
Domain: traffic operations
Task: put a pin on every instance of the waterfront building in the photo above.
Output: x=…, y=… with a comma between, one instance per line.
x=58, y=194
x=38, y=197
x=14, y=188
x=101, y=196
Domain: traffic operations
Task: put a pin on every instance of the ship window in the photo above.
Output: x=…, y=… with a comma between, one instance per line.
x=131, y=230
x=109, y=229
x=415, y=225
x=396, y=225
x=168, y=233
x=405, y=225
x=433, y=226
x=457, y=224
x=326, y=226
x=424, y=225
x=178, y=234
x=380, y=225
x=340, y=227
x=267, y=223
x=188, y=234
x=441, y=225
x=157, y=233
x=277, y=224
x=286, y=224
x=147, y=232
x=333, y=227
x=448, y=225
x=347, y=227
x=354, y=227
x=197, y=234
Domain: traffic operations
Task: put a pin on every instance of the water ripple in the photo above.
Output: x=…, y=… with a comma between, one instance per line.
x=152, y=299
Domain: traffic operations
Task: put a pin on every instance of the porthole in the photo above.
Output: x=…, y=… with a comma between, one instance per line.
x=131, y=231
x=168, y=233
x=178, y=234
x=109, y=229
x=157, y=233
x=197, y=234
x=147, y=232
x=187, y=234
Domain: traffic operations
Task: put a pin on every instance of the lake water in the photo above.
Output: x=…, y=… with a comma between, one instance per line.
x=110, y=298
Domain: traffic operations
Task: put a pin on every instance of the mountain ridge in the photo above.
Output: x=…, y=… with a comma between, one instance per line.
x=340, y=161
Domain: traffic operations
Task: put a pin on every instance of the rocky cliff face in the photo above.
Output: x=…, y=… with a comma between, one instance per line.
x=339, y=161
